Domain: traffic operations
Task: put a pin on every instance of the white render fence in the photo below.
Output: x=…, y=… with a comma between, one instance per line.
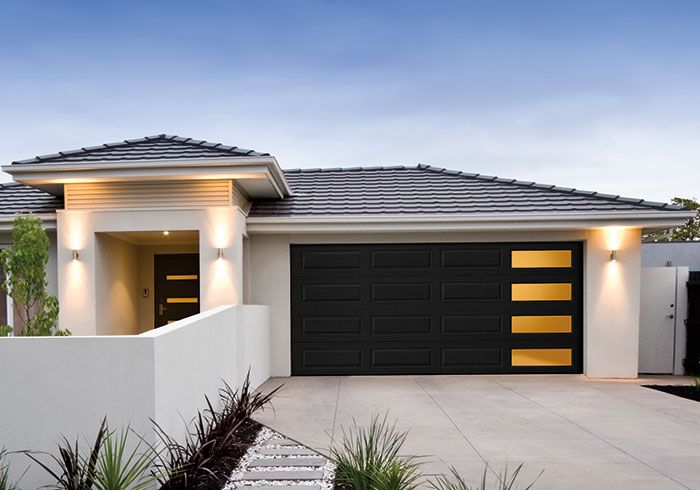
x=54, y=386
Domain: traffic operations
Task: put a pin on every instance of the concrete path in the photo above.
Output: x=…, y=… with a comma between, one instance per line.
x=584, y=433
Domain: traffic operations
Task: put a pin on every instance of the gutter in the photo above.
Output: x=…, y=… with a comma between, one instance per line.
x=48, y=219
x=476, y=222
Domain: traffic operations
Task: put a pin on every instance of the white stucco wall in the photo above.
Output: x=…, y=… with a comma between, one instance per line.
x=680, y=254
x=117, y=291
x=68, y=384
x=220, y=279
x=611, y=336
x=611, y=290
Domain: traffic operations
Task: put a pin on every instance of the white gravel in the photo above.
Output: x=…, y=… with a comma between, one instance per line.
x=265, y=434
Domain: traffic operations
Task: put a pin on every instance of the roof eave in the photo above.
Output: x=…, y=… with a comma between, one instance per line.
x=48, y=219
x=466, y=222
x=43, y=175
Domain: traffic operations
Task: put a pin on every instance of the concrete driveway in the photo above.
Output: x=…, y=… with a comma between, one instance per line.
x=585, y=434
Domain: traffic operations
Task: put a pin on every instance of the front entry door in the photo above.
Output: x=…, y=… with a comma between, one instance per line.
x=176, y=287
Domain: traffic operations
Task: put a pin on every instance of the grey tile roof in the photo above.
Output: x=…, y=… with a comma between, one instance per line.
x=20, y=198
x=392, y=190
x=159, y=147
x=430, y=190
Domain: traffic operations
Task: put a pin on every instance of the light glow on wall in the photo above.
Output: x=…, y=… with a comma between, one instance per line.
x=219, y=257
x=75, y=232
x=613, y=237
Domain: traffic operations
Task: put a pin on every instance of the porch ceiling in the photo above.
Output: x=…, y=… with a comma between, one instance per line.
x=158, y=237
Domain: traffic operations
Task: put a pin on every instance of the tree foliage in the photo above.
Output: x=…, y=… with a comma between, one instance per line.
x=689, y=231
x=24, y=265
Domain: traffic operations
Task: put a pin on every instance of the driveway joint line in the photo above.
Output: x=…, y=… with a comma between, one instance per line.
x=335, y=412
x=453, y=423
x=594, y=435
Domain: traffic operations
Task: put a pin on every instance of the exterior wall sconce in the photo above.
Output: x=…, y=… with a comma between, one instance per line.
x=220, y=253
x=613, y=255
x=76, y=255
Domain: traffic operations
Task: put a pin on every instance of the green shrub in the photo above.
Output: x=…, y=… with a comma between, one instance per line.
x=368, y=459
x=457, y=482
x=24, y=265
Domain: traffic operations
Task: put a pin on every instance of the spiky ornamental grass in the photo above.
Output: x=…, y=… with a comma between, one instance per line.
x=457, y=482
x=368, y=459
x=212, y=449
x=121, y=468
x=75, y=471
x=5, y=482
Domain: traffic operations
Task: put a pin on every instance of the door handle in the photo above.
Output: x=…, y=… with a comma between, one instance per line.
x=162, y=309
x=670, y=315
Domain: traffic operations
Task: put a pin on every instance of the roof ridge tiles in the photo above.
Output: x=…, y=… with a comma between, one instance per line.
x=102, y=150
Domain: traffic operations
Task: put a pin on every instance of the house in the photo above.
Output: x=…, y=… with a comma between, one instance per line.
x=376, y=270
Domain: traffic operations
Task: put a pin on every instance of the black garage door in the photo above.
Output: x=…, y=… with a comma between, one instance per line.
x=447, y=308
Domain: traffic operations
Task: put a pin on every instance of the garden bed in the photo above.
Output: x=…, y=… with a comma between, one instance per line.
x=276, y=461
x=684, y=391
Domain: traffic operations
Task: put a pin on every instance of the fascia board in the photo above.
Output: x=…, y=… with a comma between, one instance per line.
x=37, y=173
x=49, y=220
x=483, y=222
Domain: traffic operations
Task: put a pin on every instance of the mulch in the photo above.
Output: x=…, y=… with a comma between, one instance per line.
x=689, y=392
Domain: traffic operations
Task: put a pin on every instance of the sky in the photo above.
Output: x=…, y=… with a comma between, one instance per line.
x=596, y=95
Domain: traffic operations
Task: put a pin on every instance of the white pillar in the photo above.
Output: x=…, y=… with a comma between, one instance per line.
x=612, y=291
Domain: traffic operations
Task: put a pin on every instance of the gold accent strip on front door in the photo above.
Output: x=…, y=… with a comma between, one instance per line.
x=540, y=259
x=541, y=292
x=182, y=300
x=181, y=277
x=541, y=357
x=541, y=324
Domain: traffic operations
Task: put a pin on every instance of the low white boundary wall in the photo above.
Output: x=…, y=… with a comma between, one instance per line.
x=54, y=386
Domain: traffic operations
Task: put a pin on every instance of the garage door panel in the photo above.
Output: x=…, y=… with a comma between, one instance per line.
x=455, y=325
x=331, y=260
x=446, y=308
x=401, y=325
x=471, y=291
x=331, y=292
x=401, y=357
x=395, y=291
x=400, y=259
x=457, y=259
x=472, y=357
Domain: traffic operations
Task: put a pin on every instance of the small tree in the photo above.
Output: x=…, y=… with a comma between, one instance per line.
x=688, y=232
x=24, y=264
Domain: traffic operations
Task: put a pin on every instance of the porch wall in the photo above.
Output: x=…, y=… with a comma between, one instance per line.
x=68, y=384
x=80, y=282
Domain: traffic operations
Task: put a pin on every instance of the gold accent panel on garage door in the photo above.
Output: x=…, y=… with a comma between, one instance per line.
x=541, y=324
x=541, y=357
x=541, y=292
x=540, y=259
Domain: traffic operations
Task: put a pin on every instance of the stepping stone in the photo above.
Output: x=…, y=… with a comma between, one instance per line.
x=281, y=475
x=287, y=451
x=279, y=441
x=288, y=462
